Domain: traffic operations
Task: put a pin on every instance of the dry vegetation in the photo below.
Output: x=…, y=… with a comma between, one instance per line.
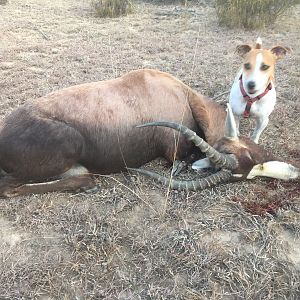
x=252, y=14
x=112, y=8
x=133, y=240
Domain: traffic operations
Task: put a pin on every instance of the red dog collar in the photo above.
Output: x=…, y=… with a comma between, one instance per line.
x=250, y=100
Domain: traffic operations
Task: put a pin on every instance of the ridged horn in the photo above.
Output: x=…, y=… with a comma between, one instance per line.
x=189, y=185
x=221, y=160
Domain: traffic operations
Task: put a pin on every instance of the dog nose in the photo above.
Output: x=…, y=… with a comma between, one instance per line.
x=251, y=85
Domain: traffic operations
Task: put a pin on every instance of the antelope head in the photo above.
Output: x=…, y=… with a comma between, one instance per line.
x=234, y=158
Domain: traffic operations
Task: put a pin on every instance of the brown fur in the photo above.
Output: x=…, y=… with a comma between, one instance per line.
x=269, y=57
x=249, y=154
x=93, y=125
x=257, y=46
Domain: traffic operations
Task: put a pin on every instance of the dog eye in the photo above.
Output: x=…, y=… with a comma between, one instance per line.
x=247, y=66
x=264, y=67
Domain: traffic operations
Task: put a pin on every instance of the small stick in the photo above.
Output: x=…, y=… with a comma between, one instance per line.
x=224, y=93
x=42, y=33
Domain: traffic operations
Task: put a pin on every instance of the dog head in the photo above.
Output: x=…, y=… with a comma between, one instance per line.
x=259, y=66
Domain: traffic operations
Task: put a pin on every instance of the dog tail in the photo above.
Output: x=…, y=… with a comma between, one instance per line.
x=258, y=44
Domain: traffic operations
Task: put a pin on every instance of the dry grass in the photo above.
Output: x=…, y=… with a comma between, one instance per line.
x=184, y=2
x=236, y=241
x=251, y=14
x=112, y=8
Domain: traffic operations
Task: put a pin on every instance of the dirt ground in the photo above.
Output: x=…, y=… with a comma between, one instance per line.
x=133, y=239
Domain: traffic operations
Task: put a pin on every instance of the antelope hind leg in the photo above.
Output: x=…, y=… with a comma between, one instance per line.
x=8, y=183
x=85, y=182
x=181, y=165
x=74, y=179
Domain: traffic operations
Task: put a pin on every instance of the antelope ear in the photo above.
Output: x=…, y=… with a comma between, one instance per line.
x=242, y=50
x=201, y=164
x=230, y=125
x=280, y=51
x=275, y=169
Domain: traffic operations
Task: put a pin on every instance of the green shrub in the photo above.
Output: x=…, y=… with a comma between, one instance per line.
x=112, y=8
x=251, y=14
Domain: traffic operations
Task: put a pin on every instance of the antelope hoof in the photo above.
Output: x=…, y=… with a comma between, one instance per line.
x=91, y=190
x=178, y=167
x=10, y=193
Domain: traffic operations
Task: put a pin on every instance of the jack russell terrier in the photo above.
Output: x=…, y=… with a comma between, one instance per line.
x=253, y=93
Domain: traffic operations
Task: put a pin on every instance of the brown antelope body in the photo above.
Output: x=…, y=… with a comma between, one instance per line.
x=55, y=142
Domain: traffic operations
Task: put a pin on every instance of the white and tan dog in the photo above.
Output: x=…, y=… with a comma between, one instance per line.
x=253, y=93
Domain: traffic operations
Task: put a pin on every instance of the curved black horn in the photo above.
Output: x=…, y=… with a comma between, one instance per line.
x=189, y=185
x=221, y=160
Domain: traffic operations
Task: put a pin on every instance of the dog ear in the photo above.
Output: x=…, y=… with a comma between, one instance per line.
x=280, y=51
x=242, y=50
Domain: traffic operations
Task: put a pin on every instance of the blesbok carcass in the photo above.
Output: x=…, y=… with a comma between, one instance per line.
x=56, y=142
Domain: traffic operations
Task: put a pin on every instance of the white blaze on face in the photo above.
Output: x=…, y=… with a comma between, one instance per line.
x=258, y=76
x=274, y=169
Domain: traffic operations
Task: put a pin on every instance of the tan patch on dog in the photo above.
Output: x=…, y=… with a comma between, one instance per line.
x=269, y=59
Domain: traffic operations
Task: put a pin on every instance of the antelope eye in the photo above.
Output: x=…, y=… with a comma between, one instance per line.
x=247, y=66
x=264, y=67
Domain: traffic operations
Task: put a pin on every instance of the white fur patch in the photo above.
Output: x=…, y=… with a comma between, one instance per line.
x=260, y=78
x=76, y=170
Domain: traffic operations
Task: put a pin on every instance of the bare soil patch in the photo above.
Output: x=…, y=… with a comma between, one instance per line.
x=133, y=240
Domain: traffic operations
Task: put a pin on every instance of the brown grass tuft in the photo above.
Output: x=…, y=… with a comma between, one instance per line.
x=251, y=14
x=112, y=8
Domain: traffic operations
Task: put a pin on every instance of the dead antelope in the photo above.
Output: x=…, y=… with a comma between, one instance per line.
x=56, y=142
x=236, y=158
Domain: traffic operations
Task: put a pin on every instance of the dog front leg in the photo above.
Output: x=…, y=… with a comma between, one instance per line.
x=261, y=124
